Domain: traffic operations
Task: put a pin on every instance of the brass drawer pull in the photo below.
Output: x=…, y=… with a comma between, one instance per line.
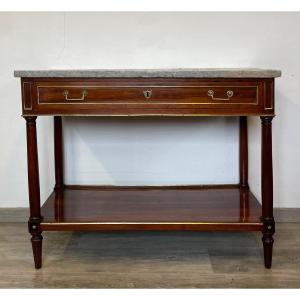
x=83, y=94
x=229, y=94
x=147, y=94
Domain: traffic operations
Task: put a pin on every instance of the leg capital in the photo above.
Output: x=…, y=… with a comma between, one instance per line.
x=30, y=119
x=266, y=120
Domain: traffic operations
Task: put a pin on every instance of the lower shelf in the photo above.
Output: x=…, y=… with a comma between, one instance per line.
x=223, y=207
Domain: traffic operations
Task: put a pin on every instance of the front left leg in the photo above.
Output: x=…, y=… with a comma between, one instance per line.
x=267, y=190
x=36, y=241
x=34, y=192
x=268, y=231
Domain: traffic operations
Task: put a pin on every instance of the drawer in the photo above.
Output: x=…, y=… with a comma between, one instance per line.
x=206, y=94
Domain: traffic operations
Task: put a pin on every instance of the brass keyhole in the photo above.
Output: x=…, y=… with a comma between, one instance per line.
x=147, y=94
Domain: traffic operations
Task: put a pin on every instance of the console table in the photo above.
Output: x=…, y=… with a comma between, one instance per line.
x=161, y=92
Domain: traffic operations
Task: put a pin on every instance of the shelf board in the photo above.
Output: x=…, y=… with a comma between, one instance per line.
x=222, y=207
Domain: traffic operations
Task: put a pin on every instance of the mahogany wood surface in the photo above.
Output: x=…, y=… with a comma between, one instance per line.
x=267, y=189
x=34, y=191
x=58, y=153
x=153, y=207
x=123, y=96
x=223, y=207
x=243, y=153
x=157, y=94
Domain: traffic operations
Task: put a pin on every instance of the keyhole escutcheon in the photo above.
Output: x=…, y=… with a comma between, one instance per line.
x=147, y=94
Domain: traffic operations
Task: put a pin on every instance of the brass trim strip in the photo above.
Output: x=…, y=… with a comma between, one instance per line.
x=268, y=108
x=150, y=115
x=23, y=92
x=265, y=106
x=147, y=103
x=151, y=223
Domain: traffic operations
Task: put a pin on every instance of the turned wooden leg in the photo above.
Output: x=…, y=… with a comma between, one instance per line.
x=243, y=153
x=36, y=242
x=58, y=153
x=34, y=191
x=267, y=190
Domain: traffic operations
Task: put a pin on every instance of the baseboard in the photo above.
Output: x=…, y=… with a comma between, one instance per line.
x=19, y=214
x=291, y=215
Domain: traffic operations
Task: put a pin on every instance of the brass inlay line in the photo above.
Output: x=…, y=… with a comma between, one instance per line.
x=151, y=223
x=24, y=95
x=151, y=115
x=139, y=103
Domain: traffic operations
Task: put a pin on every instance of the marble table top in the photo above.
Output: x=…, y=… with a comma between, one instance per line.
x=148, y=73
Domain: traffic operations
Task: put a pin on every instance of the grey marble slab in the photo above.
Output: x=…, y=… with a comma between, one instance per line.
x=148, y=73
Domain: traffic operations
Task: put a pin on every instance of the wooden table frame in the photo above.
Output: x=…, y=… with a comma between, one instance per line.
x=264, y=108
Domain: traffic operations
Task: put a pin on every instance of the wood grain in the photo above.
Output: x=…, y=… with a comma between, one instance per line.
x=170, y=97
x=267, y=189
x=151, y=208
x=211, y=208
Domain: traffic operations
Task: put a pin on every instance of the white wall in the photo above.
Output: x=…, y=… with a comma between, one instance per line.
x=150, y=151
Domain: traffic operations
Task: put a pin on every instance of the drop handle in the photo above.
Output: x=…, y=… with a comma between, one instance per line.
x=211, y=93
x=83, y=94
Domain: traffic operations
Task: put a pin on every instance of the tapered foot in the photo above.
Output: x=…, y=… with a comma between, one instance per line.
x=36, y=242
x=268, y=250
x=267, y=239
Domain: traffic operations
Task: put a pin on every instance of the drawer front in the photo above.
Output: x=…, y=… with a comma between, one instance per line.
x=210, y=94
x=147, y=96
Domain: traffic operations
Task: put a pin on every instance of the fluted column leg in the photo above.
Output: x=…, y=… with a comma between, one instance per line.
x=58, y=153
x=267, y=190
x=34, y=191
x=243, y=153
